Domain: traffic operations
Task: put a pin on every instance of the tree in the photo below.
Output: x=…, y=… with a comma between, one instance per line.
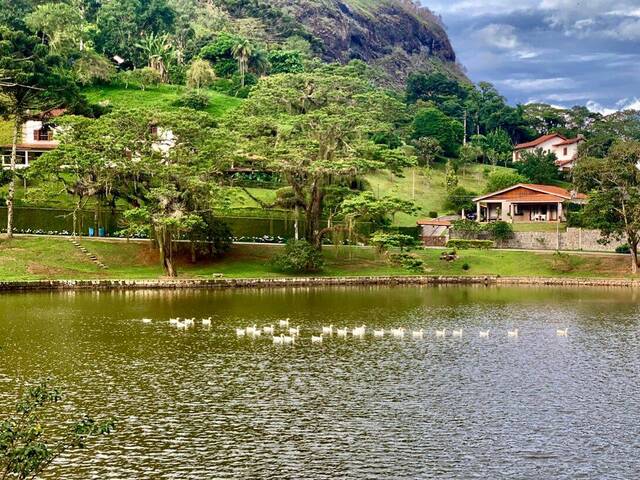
x=61, y=24
x=428, y=149
x=613, y=184
x=242, y=52
x=285, y=61
x=91, y=67
x=501, y=179
x=497, y=146
x=200, y=74
x=27, y=448
x=539, y=166
x=159, y=52
x=460, y=199
x=31, y=79
x=431, y=122
x=316, y=131
x=122, y=23
x=450, y=176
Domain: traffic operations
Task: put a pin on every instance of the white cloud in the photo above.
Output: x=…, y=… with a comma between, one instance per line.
x=625, y=104
x=501, y=36
x=598, y=108
x=539, y=84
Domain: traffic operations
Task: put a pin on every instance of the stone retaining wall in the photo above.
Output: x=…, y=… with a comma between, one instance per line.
x=573, y=239
x=43, y=285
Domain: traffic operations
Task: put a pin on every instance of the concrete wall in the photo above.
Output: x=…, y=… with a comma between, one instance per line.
x=572, y=239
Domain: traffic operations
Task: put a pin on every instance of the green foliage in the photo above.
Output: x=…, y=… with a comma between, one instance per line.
x=563, y=262
x=193, y=99
x=499, y=231
x=428, y=150
x=467, y=229
x=200, y=74
x=27, y=448
x=460, y=199
x=408, y=261
x=465, y=266
x=298, y=257
x=62, y=25
x=614, y=200
x=624, y=249
x=470, y=244
x=433, y=214
x=501, y=179
x=385, y=241
x=431, y=122
x=141, y=77
x=451, y=177
x=285, y=61
x=539, y=167
x=92, y=67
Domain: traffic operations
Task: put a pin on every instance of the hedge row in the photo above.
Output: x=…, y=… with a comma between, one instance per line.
x=466, y=244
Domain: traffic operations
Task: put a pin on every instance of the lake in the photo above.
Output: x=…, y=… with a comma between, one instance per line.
x=202, y=403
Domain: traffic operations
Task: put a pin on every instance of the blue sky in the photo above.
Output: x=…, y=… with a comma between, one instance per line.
x=562, y=52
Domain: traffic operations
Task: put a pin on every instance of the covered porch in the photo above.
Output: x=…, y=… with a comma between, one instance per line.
x=520, y=211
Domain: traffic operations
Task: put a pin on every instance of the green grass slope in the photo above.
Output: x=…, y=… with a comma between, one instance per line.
x=161, y=97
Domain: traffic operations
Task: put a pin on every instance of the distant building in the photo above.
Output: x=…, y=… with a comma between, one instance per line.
x=38, y=137
x=526, y=203
x=565, y=149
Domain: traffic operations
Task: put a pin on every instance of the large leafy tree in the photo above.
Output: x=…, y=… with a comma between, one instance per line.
x=431, y=122
x=613, y=184
x=539, y=166
x=316, y=130
x=61, y=24
x=31, y=79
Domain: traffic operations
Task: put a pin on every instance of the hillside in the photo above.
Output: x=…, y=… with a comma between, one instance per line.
x=396, y=35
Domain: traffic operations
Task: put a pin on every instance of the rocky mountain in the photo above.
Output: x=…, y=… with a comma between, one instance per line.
x=397, y=35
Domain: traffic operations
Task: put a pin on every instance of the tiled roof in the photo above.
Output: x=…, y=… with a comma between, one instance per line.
x=539, y=141
x=558, y=192
x=569, y=141
x=34, y=146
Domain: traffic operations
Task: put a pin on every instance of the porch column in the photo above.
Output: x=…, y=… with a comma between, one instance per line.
x=560, y=212
x=505, y=208
x=478, y=212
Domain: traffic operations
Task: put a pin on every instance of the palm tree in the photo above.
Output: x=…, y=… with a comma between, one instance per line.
x=242, y=52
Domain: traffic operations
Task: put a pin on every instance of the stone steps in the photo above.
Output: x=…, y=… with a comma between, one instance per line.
x=88, y=254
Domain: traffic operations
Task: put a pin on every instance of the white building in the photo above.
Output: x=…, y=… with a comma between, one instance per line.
x=565, y=149
x=38, y=137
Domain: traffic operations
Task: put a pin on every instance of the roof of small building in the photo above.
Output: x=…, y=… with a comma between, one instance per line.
x=549, y=191
x=539, y=141
x=33, y=146
x=569, y=141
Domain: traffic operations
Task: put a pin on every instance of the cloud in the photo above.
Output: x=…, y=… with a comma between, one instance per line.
x=538, y=84
x=503, y=37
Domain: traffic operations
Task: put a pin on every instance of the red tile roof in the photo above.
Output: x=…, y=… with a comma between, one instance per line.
x=539, y=141
x=569, y=141
x=558, y=193
x=435, y=222
x=34, y=146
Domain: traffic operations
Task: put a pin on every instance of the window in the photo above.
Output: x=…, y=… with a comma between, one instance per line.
x=565, y=151
x=44, y=134
x=517, y=210
x=21, y=158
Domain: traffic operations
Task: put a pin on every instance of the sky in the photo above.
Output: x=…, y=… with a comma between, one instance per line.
x=561, y=52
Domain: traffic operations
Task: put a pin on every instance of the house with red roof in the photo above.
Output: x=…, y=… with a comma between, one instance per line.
x=526, y=203
x=565, y=149
x=38, y=133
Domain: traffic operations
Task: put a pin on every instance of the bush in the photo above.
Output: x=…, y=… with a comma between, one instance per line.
x=501, y=179
x=465, y=266
x=411, y=262
x=193, y=99
x=467, y=229
x=468, y=244
x=433, y=214
x=623, y=249
x=500, y=231
x=299, y=256
x=384, y=241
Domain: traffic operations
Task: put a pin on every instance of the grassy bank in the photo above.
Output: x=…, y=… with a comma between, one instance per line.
x=52, y=258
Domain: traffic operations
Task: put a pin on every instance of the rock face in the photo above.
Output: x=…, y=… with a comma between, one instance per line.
x=396, y=35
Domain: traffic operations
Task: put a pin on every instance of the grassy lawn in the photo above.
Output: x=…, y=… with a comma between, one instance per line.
x=539, y=227
x=45, y=258
x=161, y=97
x=430, y=193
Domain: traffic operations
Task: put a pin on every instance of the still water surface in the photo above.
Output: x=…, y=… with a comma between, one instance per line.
x=202, y=403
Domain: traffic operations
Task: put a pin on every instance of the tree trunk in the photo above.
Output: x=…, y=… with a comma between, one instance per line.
x=12, y=184
x=166, y=252
x=634, y=259
x=313, y=231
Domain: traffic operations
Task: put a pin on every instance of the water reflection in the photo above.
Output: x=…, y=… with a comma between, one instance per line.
x=203, y=403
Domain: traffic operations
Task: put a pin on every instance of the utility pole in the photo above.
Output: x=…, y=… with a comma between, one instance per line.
x=464, y=141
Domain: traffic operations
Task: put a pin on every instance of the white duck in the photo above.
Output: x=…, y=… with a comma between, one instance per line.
x=284, y=323
x=240, y=332
x=206, y=322
x=457, y=333
x=146, y=320
x=294, y=331
x=562, y=332
x=279, y=340
x=441, y=333
x=327, y=330
x=378, y=333
x=418, y=333
x=342, y=332
x=315, y=339
x=512, y=333
x=484, y=334
x=268, y=330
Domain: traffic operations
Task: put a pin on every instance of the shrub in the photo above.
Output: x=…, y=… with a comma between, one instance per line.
x=501, y=179
x=433, y=214
x=459, y=199
x=623, y=249
x=411, y=262
x=299, y=256
x=384, y=241
x=563, y=263
x=141, y=77
x=468, y=244
x=467, y=229
x=500, y=231
x=465, y=266
x=193, y=99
